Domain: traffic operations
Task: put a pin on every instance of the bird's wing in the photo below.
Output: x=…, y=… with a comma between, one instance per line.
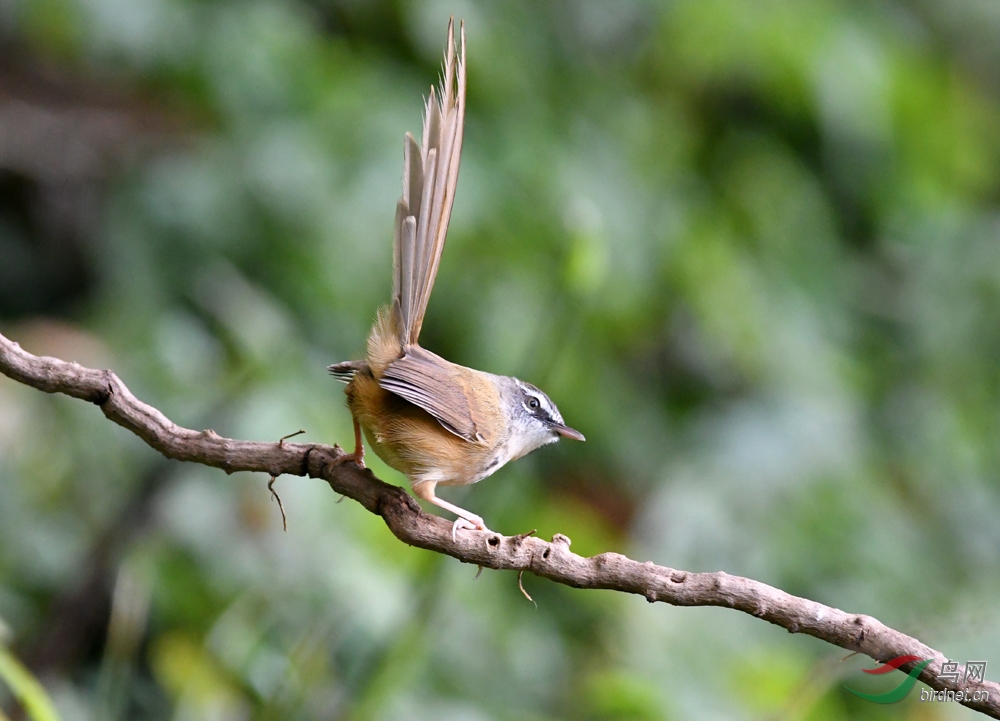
x=439, y=387
x=430, y=174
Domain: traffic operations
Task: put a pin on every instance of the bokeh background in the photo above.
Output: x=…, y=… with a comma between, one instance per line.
x=752, y=250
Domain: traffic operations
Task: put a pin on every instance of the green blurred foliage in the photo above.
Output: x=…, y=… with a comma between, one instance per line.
x=25, y=688
x=750, y=249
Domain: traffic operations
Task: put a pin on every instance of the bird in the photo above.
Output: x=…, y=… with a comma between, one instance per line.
x=437, y=422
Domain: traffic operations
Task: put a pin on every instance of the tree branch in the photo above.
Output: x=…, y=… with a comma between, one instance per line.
x=552, y=560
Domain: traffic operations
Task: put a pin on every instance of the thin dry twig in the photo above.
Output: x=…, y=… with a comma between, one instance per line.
x=520, y=584
x=281, y=506
x=270, y=483
x=291, y=435
x=552, y=560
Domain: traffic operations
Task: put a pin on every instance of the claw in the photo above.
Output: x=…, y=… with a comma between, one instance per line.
x=359, y=449
x=465, y=522
x=461, y=523
x=475, y=523
x=355, y=457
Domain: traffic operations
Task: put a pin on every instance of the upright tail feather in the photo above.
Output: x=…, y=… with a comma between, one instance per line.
x=430, y=175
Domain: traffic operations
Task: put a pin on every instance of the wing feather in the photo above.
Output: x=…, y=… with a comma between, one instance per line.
x=440, y=388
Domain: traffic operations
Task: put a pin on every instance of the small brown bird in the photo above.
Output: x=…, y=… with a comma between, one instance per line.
x=434, y=421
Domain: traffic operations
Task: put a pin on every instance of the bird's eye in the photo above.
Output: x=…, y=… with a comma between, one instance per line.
x=533, y=403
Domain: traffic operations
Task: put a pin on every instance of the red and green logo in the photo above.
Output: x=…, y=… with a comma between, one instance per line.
x=900, y=692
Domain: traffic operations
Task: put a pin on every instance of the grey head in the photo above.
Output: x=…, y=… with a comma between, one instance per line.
x=534, y=419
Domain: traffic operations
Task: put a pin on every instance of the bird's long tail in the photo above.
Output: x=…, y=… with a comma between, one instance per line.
x=430, y=174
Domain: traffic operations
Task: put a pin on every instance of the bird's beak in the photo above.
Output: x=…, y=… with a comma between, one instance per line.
x=567, y=432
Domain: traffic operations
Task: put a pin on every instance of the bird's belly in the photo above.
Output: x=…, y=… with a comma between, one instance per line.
x=412, y=441
x=448, y=460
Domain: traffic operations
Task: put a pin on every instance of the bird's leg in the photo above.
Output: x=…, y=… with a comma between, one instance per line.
x=465, y=521
x=359, y=449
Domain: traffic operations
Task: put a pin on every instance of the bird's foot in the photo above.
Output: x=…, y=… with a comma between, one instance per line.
x=357, y=457
x=473, y=523
x=359, y=449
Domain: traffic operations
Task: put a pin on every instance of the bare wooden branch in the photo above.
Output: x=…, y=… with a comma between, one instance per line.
x=552, y=560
